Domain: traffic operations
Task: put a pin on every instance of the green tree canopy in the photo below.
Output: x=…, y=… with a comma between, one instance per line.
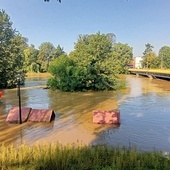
x=148, y=56
x=91, y=66
x=92, y=54
x=45, y=56
x=122, y=54
x=148, y=49
x=12, y=45
x=30, y=59
x=64, y=74
x=164, y=55
x=92, y=49
x=150, y=60
x=58, y=51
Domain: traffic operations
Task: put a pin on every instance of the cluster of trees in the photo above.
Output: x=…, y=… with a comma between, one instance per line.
x=17, y=57
x=94, y=64
x=38, y=60
x=12, y=45
x=151, y=60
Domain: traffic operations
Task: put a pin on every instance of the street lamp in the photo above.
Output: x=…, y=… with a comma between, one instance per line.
x=19, y=96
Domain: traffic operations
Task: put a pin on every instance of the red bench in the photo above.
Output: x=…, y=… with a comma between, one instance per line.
x=30, y=115
x=106, y=117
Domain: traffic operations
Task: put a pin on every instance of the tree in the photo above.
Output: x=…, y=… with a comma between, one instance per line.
x=150, y=60
x=58, y=51
x=148, y=49
x=45, y=56
x=91, y=49
x=164, y=55
x=12, y=45
x=89, y=67
x=155, y=63
x=148, y=56
x=122, y=55
x=30, y=59
x=63, y=70
x=92, y=52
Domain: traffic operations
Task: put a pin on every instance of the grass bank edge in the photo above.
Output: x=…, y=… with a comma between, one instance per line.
x=58, y=156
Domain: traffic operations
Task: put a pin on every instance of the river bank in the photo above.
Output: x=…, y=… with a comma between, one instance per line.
x=56, y=156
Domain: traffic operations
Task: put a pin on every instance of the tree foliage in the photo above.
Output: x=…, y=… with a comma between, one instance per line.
x=12, y=45
x=148, y=49
x=63, y=70
x=122, y=54
x=91, y=66
x=149, y=60
x=30, y=59
x=47, y=53
x=148, y=57
x=45, y=56
x=164, y=56
x=17, y=57
x=58, y=51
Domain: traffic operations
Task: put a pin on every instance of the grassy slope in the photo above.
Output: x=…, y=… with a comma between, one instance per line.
x=56, y=156
x=166, y=71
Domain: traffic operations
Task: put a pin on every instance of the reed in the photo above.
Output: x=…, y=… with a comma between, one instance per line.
x=78, y=157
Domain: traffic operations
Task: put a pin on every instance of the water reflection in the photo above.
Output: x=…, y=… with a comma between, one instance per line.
x=144, y=107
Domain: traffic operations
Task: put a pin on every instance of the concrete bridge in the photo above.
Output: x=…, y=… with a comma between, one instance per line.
x=151, y=73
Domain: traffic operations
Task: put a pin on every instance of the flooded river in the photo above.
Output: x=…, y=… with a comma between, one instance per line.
x=144, y=108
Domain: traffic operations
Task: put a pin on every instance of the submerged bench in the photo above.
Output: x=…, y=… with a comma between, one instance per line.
x=30, y=115
x=106, y=117
x=41, y=115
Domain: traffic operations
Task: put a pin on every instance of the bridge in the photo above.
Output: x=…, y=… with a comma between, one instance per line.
x=151, y=73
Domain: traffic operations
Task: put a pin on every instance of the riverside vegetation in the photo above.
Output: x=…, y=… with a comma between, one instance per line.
x=77, y=157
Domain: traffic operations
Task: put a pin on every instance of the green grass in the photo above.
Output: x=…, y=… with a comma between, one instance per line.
x=165, y=71
x=70, y=157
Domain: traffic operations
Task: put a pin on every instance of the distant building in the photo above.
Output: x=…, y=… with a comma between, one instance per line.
x=138, y=62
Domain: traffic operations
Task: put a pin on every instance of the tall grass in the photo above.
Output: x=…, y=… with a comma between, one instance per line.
x=70, y=157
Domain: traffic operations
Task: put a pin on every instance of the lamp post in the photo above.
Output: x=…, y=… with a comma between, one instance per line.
x=19, y=97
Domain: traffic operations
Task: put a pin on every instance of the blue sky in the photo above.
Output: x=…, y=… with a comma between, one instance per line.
x=134, y=22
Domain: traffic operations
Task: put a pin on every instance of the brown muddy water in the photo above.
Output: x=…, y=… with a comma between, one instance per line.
x=144, y=107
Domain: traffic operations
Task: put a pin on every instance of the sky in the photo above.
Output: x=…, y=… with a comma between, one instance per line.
x=134, y=22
